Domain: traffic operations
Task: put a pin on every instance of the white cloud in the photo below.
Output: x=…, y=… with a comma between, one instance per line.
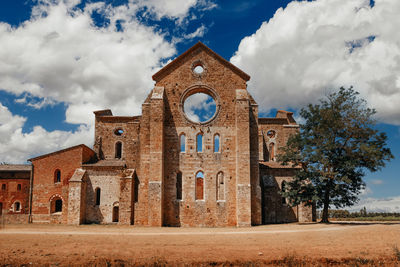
x=378, y=205
x=17, y=147
x=377, y=182
x=309, y=48
x=199, y=107
x=60, y=55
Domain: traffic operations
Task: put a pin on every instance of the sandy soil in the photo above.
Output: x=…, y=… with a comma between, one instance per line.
x=353, y=244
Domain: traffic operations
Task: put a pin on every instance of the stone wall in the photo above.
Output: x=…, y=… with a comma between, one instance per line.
x=16, y=190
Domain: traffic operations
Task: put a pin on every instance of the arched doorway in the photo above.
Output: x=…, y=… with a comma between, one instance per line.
x=115, y=214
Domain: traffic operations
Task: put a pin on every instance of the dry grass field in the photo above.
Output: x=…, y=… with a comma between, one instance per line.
x=349, y=244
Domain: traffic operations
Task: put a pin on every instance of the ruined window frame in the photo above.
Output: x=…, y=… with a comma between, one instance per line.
x=184, y=143
x=217, y=135
x=3, y=187
x=118, y=149
x=19, y=187
x=197, y=143
x=203, y=185
x=218, y=187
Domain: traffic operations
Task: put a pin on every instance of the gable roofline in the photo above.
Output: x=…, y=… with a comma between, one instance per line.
x=161, y=73
x=60, y=151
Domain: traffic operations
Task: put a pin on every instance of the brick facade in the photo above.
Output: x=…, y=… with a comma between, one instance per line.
x=137, y=173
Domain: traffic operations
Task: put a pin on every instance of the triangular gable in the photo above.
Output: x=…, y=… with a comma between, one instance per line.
x=164, y=71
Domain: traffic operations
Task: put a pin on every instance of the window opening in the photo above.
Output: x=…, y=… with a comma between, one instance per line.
x=179, y=185
x=115, y=214
x=200, y=185
x=118, y=150
x=200, y=107
x=183, y=142
x=1, y=208
x=98, y=193
x=57, y=176
x=199, y=139
x=198, y=69
x=220, y=186
x=58, y=205
x=118, y=132
x=19, y=187
x=17, y=206
x=216, y=143
x=271, y=151
x=3, y=187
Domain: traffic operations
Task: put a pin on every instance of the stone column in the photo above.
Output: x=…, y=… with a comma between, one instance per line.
x=156, y=171
x=243, y=190
x=77, y=198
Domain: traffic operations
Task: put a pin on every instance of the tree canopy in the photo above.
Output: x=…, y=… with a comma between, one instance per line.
x=336, y=144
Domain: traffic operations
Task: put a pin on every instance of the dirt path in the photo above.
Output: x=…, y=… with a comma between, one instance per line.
x=273, y=244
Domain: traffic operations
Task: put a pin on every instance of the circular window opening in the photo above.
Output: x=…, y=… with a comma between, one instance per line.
x=118, y=132
x=199, y=107
x=198, y=69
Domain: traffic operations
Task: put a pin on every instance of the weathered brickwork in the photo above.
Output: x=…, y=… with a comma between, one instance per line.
x=138, y=173
x=14, y=193
x=50, y=188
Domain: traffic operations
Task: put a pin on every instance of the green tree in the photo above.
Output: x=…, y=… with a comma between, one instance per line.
x=336, y=144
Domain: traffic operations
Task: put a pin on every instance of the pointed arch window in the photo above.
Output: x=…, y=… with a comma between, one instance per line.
x=199, y=142
x=118, y=150
x=182, y=141
x=271, y=149
x=216, y=143
x=220, y=186
x=200, y=185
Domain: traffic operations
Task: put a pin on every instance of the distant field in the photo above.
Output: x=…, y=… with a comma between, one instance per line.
x=341, y=243
x=371, y=219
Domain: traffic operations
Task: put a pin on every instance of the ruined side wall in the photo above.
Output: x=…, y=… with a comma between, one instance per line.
x=109, y=182
x=282, y=132
x=274, y=208
x=106, y=138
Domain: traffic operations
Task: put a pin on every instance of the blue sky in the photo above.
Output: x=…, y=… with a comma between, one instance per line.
x=60, y=60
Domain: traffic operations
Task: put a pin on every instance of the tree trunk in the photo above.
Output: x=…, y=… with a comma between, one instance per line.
x=325, y=214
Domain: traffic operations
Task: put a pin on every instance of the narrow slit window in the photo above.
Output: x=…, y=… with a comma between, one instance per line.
x=220, y=186
x=19, y=187
x=98, y=194
x=183, y=143
x=200, y=186
x=179, y=186
x=57, y=176
x=118, y=150
x=216, y=143
x=199, y=144
x=271, y=151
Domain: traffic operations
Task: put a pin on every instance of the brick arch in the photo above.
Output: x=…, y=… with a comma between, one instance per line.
x=199, y=185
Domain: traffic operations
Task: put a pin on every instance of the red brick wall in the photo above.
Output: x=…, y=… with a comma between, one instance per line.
x=11, y=194
x=44, y=187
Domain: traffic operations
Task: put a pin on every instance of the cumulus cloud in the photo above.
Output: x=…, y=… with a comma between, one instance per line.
x=173, y=9
x=311, y=47
x=199, y=107
x=62, y=54
x=17, y=147
x=391, y=204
